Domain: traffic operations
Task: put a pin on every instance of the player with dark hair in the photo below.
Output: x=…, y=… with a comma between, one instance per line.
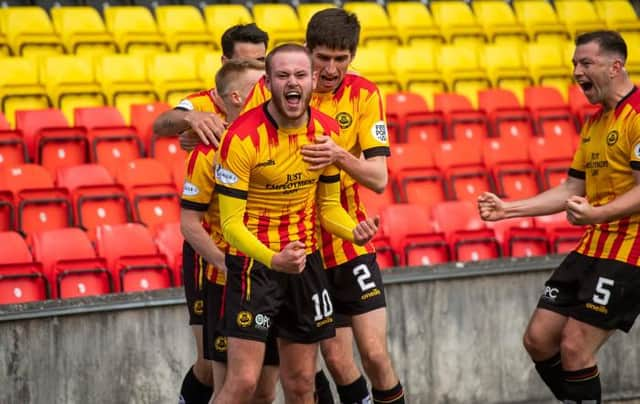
x=594, y=291
x=270, y=203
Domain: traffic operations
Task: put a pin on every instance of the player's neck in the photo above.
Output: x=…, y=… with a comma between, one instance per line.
x=283, y=122
x=619, y=94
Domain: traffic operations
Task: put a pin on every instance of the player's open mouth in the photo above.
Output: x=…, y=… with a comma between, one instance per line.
x=293, y=97
x=586, y=85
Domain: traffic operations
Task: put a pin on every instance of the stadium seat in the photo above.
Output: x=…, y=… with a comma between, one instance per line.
x=71, y=82
x=174, y=76
x=462, y=70
x=506, y=115
x=465, y=174
x=373, y=63
x=506, y=68
x=169, y=241
x=463, y=122
x=618, y=15
x=413, y=22
x=50, y=140
x=133, y=258
x=306, y=10
x=29, y=31
x=208, y=65
x=579, y=16
x=457, y=22
x=467, y=234
x=540, y=20
x=374, y=23
x=71, y=264
x=417, y=70
x=373, y=202
x=20, y=87
x=21, y=279
x=220, y=17
x=13, y=149
x=112, y=143
x=167, y=150
x=514, y=175
x=96, y=198
x=499, y=22
x=125, y=81
x=519, y=238
x=579, y=105
x=280, y=21
x=142, y=118
x=548, y=65
x=39, y=205
x=82, y=30
x=184, y=28
x=134, y=29
x=152, y=193
x=411, y=234
x=552, y=156
x=563, y=236
x=414, y=173
x=551, y=114
x=7, y=210
x=632, y=66
x=385, y=256
x=410, y=121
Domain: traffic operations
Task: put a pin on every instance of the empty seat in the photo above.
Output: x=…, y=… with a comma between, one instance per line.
x=550, y=112
x=220, y=17
x=579, y=16
x=413, y=21
x=462, y=70
x=548, y=65
x=506, y=68
x=373, y=202
x=20, y=87
x=82, y=30
x=169, y=241
x=499, y=21
x=506, y=116
x=13, y=150
x=142, y=118
x=71, y=264
x=563, y=236
x=417, y=70
x=373, y=63
x=133, y=257
x=7, y=211
x=519, y=238
x=410, y=121
x=21, y=279
x=280, y=21
x=208, y=65
x=51, y=142
x=618, y=15
x=513, y=174
x=579, y=105
x=174, y=76
x=540, y=20
x=375, y=24
x=29, y=31
x=457, y=22
x=552, y=156
x=134, y=29
x=184, y=28
x=464, y=122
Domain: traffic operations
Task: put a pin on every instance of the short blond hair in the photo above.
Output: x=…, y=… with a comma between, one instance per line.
x=232, y=70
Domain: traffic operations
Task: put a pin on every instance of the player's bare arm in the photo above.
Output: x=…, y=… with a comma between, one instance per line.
x=292, y=259
x=206, y=127
x=199, y=239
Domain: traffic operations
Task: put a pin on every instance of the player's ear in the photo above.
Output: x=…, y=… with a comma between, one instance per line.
x=224, y=59
x=314, y=77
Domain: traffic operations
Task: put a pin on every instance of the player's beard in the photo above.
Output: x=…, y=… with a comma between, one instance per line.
x=292, y=114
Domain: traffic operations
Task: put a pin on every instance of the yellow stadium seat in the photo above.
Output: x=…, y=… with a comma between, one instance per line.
x=174, y=75
x=540, y=20
x=125, y=81
x=499, y=21
x=416, y=68
x=208, y=65
x=373, y=63
x=506, y=68
x=280, y=21
x=618, y=15
x=20, y=86
x=413, y=21
x=633, y=58
x=462, y=71
x=579, y=16
x=71, y=82
x=134, y=29
x=374, y=22
x=307, y=10
x=82, y=30
x=457, y=22
x=5, y=50
x=29, y=31
x=548, y=66
x=184, y=28
x=220, y=17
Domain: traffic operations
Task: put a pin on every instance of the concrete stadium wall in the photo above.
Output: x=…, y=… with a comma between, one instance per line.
x=455, y=337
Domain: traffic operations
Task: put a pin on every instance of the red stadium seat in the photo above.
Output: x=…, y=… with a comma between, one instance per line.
x=167, y=150
x=506, y=116
x=412, y=236
x=513, y=174
x=563, y=236
x=169, y=241
x=113, y=144
x=385, y=256
x=97, y=199
x=13, y=150
x=21, y=279
x=551, y=113
x=373, y=202
x=519, y=238
x=133, y=257
x=463, y=121
x=71, y=264
x=7, y=211
x=579, y=105
x=50, y=140
x=410, y=121
x=152, y=193
x=142, y=118
x=552, y=157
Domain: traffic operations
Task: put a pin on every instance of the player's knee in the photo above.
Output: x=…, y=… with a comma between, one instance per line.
x=375, y=359
x=243, y=384
x=203, y=371
x=298, y=384
x=574, y=353
x=535, y=343
x=264, y=396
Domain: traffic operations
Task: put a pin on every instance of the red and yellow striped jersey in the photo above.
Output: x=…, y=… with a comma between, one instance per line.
x=202, y=101
x=357, y=107
x=262, y=165
x=609, y=152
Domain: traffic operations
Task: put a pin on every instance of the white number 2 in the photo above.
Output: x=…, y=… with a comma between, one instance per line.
x=362, y=274
x=323, y=308
x=602, y=294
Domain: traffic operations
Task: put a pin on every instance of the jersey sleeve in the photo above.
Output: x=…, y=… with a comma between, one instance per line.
x=333, y=217
x=373, y=135
x=577, y=168
x=199, y=182
x=634, y=143
x=259, y=95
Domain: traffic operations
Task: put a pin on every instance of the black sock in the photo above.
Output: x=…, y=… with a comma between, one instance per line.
x=193, y=391
x=323, y=389
x=354, y=393
x=583, y=386
x=394, y=395
x=550, y=371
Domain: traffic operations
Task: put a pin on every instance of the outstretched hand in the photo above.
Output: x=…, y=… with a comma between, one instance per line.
x=490, y=207
x=320, y=154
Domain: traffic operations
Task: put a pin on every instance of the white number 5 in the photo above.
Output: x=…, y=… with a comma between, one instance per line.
x=603, y=294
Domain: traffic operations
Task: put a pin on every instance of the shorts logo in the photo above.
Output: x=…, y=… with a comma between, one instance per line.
x=379, y=132
x=263, y=321
x=220, y=344
x=186, y=104
x=225, y=176
x=612, y=137
x=198, y=307
x=344, y=120
x=550, y=293
x=244, y=319
x=190, y=189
